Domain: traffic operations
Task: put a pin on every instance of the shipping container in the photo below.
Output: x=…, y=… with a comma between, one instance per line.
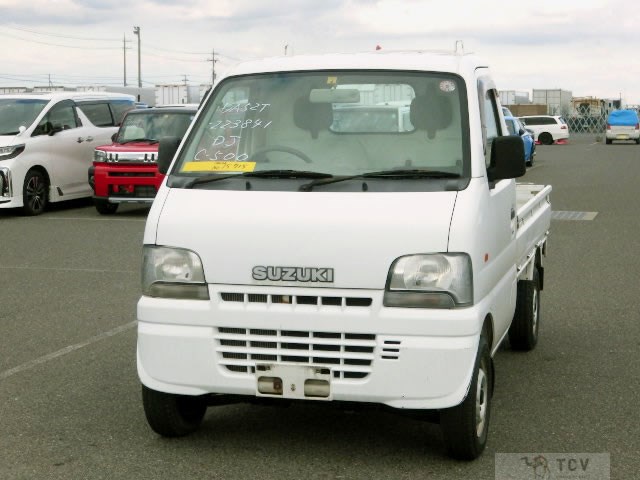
x=558, y=101
x=513, y=97
x=12, y=90
x=49, y=89
x=91, y=88
x=523, y=109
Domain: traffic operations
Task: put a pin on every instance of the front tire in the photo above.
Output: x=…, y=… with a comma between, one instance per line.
x=172, y=415
x=523, y=332
x=465, y=427
x=35, y=193
x=545, y=138
x=104, y=207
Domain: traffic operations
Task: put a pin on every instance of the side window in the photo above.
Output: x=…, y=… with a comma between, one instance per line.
x=62, y=116
x=119, y=108
x=490, y=125
x=98, y=113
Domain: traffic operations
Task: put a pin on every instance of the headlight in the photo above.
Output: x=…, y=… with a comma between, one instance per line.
x=99, y=156
x=172, y=273
x=11, y=151
x=440, y=280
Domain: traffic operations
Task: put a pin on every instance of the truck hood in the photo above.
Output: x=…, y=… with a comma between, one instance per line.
x=357, y=235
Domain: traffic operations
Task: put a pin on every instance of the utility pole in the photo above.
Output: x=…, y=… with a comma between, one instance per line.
x=124, y=55
x=136, y=31
x=184, y=80
x=213, y=66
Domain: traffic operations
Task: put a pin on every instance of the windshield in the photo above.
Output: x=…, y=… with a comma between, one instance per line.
x=18, y=112
x=152, y=126
x=336, y=123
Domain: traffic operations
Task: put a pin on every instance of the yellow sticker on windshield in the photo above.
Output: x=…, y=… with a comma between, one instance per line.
x=219, y=166
x=332, y=80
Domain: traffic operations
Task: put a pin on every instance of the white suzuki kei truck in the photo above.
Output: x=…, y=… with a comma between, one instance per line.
x=298, y=253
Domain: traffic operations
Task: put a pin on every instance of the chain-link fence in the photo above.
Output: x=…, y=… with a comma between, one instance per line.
x=586, y=123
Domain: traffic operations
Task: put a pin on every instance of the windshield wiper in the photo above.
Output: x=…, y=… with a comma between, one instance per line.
x=149, y=140
x=392, y=174
x=259, y=174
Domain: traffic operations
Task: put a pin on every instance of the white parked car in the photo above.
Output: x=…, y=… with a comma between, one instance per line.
x=547, y=129
x=47, y=142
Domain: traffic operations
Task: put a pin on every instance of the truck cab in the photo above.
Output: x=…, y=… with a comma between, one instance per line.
x=125, y=171
x=290, y=256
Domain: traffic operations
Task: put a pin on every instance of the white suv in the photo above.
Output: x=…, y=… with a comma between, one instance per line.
x=547, y=129
x=47, y=142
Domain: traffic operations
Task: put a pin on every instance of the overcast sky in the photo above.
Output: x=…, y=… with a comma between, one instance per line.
x=590, y=47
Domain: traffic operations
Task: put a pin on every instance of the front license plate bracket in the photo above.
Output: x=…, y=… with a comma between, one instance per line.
x=304, y=382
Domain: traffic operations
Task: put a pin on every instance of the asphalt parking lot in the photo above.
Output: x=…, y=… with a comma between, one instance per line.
x=70, y=403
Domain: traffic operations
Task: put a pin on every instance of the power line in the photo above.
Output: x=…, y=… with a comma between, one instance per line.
x=61, y=36
x=83, y=47
x=171, y=58
x=177, y=51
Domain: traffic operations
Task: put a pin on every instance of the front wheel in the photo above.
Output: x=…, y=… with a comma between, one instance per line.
x=104, y=207
x=172, y=415
x=35, y=193
x=465, y=427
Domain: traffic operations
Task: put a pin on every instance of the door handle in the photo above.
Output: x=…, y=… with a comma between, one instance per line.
x=80, y=140
x=513, y=213
x=89, y=139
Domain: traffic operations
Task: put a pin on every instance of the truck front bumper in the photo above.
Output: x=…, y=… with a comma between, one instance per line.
x=400, y=357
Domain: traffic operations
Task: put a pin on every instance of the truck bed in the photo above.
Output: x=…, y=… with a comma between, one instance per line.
x=533, y=216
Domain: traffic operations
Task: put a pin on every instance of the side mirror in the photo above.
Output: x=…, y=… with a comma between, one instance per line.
x=168, y=147
x=522, y=131
x=113, y=137
x=507, y=158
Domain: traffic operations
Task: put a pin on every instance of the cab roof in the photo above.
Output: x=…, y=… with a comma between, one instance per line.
x=420, y=60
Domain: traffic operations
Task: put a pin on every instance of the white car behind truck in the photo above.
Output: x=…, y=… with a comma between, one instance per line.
x=47, y=142
x=289, y=258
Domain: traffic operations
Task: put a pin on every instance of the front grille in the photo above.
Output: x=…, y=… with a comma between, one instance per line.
x=139, y=191
x=296, y=299
x=132, y=174
x=349, y=355
x=131, y=157
x=391, y=350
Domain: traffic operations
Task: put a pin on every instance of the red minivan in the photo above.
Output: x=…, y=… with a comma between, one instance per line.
x=125, y=171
